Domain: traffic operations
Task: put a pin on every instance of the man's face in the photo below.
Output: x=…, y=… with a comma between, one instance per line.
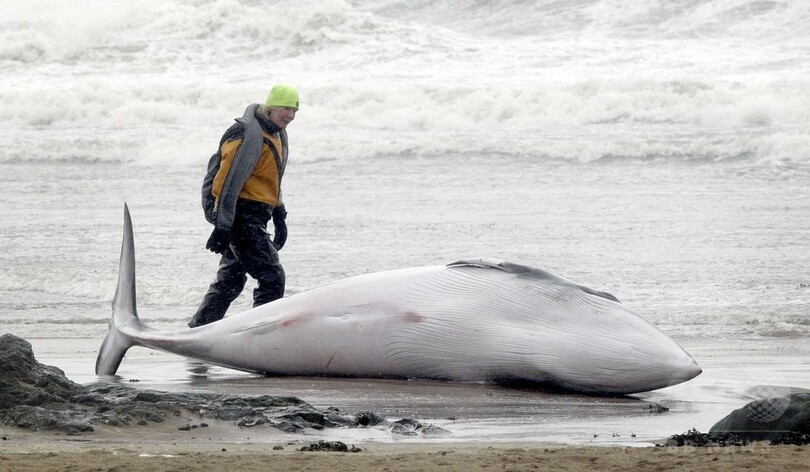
x=282, y=116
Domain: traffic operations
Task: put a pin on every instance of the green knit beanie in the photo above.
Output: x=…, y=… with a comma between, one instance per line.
x=283, y=95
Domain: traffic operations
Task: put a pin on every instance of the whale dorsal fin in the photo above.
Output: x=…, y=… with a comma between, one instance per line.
x=525, y=271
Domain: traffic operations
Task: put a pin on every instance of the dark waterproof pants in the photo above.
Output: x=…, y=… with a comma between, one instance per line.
x=251, y=252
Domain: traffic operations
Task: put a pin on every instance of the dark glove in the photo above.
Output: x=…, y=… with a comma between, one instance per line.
x=219, y=241
x=280, y=227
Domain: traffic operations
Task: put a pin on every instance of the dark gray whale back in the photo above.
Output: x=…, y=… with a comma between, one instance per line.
x=528, y=273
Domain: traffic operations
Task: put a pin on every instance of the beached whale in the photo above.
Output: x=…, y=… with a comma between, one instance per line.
x=472, y=320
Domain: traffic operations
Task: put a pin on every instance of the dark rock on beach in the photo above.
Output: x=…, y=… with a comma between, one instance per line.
x=38, y=397
x=695, y=438
x=409, y=427
x=330, y=446
x=778, y=419
x=24, y=381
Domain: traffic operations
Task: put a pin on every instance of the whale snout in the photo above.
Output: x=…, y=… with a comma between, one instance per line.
x=666, y=364
x=686, y=369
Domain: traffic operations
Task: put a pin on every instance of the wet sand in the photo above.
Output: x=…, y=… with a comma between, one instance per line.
x=491, y=427
x=478, y=413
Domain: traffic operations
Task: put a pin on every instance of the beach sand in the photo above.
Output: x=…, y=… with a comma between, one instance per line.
x=45, y=453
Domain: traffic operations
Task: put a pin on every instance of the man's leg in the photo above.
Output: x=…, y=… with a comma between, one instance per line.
x=271, y=281
x=222, y=292
x=255, y=250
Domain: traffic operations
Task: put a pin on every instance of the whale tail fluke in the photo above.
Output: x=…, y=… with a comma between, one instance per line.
x=124, y=310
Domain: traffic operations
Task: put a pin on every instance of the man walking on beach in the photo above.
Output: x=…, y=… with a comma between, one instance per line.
x=241, y=192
